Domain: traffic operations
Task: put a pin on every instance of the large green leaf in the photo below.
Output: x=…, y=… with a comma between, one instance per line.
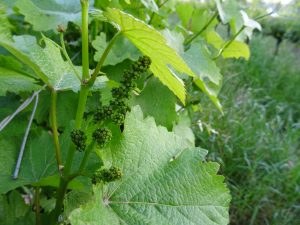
x=151, y=43
x=48, y=14
x=165, y=181
x=38, y=162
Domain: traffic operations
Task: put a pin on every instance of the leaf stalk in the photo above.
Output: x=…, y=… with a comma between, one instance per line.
x=103, y=57
x=228, y=43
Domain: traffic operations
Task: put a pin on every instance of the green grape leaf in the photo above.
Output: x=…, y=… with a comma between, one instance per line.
x=214, y=39
x=150, y=4
x=47, y=15
x=15, y=82
x=151, y=43
x=209, y=78
x=194, y=16
x=236, y=49
x=248, y=22
x=75, y=198
x=22, y=48
x=39, y=164
x=228, y=10
x=165, y=181
x=38, y=161
x=47, y=63
x=5, y=25
x=174, y=39
x=183, y=126
x=14, y=77
x=10, y=62
x=158, y=101
x=199, y=59
x=185, y=12
x=12, y=208
x=121, y=50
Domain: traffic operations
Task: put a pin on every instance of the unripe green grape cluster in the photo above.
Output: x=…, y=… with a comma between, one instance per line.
x=116, y=110
x=107, y=175
x=102, y=136
x=79, y=138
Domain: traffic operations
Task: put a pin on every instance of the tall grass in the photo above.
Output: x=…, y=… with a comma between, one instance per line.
x=258, y=137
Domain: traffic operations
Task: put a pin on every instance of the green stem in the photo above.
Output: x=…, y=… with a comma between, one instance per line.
x=86, y=156
x=54, y=130
x=153, y=14
x=37, y=206
x=229, y=42
x=202, y=30
x=95, y=29
x=61, y=191
x=64, y=51
x=103, y=57
x=84, y=90
x=85, y=39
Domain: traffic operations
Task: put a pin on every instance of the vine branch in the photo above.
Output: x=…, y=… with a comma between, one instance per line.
x=37, y=206
x=54, y=130
x=202, y=30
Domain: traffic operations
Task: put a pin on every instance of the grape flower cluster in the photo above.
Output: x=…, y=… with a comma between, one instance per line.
x=79, y=138
x=107, y=175
x=102, y=136
x=118, y=107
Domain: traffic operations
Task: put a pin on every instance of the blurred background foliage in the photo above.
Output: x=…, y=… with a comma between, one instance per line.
x=257, y=140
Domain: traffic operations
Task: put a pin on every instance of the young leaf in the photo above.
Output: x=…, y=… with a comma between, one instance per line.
x=121, y=50
x=47, y=15
x=194, y=16
x=151, y=43
x=236, y=49
x=165, y=181
x=228, y=10
x=46, y=62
